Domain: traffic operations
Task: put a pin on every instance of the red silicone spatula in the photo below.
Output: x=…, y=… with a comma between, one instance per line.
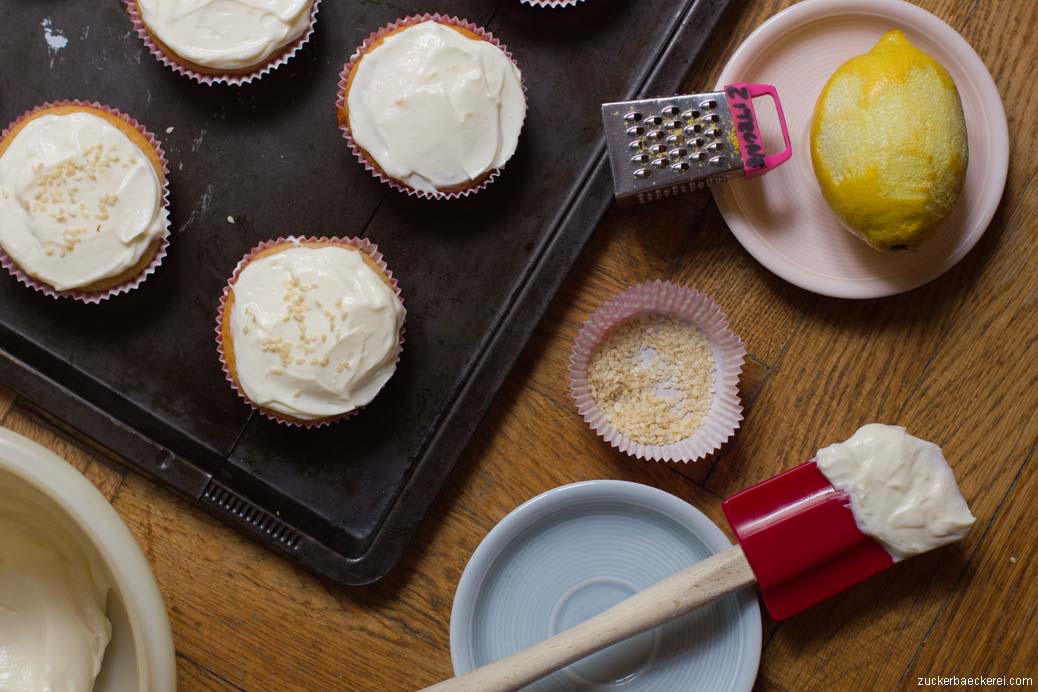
x=799, y=535
x=797, y=540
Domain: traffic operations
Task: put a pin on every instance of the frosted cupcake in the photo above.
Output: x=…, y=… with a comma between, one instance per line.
x=432, y=105
x=310, y=329
x=551, y=3
x=82, y=201
x=224, y=39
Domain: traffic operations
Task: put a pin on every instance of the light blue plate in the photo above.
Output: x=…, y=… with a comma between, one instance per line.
x=574, y=551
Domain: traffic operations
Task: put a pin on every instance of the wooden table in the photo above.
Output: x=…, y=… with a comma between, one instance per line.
x=956, y=361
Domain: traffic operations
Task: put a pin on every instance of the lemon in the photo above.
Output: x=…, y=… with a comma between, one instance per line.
x=888, y=144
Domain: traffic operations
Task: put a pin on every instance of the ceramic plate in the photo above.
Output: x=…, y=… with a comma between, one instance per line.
x=574, y=551
x=782, y=218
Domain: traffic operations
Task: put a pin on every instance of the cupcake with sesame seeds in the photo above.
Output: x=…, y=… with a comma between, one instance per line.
x=83, y=208
x=309, y=330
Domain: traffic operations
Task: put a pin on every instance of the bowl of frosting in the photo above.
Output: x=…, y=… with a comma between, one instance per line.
x=79, y=607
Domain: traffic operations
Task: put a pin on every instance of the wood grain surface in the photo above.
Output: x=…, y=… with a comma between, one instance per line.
x=955, y=361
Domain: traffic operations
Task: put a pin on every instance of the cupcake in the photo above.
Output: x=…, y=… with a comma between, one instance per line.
x=309, y=330
x=433, y=106
x=82, y=201
x=551, y=3
x=223, y=40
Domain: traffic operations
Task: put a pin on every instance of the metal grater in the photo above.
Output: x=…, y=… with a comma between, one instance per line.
x=668, y=146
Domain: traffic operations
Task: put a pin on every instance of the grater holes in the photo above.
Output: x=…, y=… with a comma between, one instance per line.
x=675, y=135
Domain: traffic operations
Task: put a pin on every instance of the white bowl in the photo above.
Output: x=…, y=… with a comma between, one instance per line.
x=140, y=656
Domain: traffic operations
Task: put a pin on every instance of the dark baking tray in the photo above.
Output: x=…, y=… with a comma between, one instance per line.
x=138, y=375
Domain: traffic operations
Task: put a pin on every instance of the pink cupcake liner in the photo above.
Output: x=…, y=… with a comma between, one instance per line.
x=363, y=49
x=664, y=298
x=94, y=297
x=551, y=3
x=231, y=79
x=362, y=244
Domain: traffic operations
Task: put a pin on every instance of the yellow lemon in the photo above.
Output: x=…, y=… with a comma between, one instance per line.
x=888, y=144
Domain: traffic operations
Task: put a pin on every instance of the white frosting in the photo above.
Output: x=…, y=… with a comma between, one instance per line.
x=316, y=331
x=226, y=34
x=903, y=493
x=79, y=201
x=53, y=631
x=436, y=109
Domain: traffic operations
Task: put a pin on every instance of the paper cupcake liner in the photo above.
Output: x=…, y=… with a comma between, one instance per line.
x=286, y=54
x=664, y=298
x=551, y=3
x=364, y=245
x=363, y=49
x=94, y=297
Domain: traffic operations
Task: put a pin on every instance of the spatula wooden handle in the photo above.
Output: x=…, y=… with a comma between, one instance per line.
x=673, y=597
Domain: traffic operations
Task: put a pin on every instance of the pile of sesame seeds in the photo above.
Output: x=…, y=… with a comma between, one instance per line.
x=653, y=379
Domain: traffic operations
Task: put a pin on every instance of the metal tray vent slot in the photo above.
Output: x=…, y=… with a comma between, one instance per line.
x=257, y=518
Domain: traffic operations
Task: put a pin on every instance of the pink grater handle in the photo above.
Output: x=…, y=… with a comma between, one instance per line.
x=800, y=538
x=756, y=161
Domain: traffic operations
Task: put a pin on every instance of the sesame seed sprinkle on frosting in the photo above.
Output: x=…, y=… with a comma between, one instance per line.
x=295, y=356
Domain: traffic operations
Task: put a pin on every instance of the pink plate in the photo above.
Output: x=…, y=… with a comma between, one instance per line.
x=783, y=220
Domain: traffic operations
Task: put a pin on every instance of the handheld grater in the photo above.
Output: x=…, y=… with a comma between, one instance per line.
x=668, y=146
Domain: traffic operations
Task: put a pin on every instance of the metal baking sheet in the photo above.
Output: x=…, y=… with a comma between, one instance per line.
x=138, y=375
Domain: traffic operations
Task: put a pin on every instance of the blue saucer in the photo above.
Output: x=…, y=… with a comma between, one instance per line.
x=572, y=552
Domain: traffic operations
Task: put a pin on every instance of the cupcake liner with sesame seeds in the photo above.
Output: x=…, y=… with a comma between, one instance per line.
x=340, y=103
x=685, y=305
x=286, y=53
x=94, y=297
x=364, y=245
